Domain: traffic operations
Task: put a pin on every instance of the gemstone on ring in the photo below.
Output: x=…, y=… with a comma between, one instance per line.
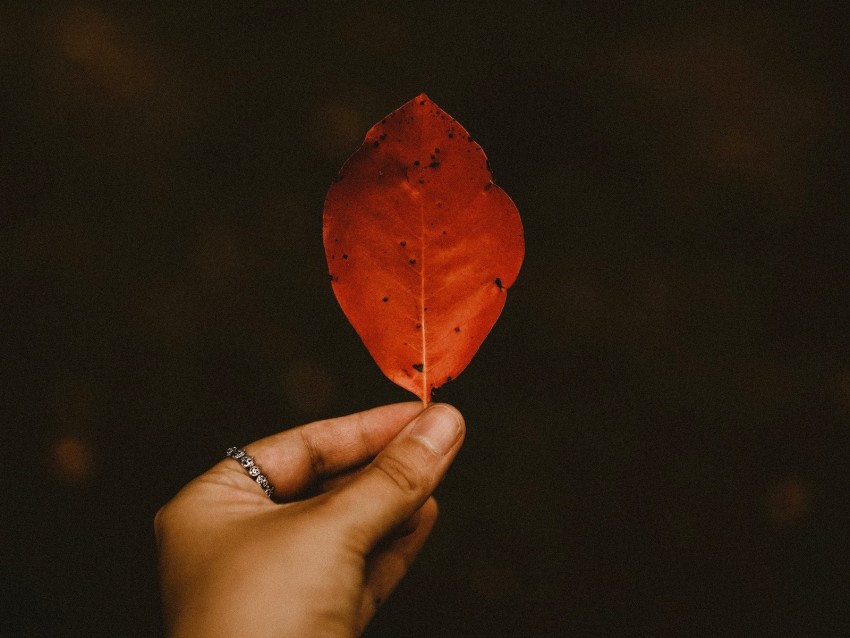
x=254, y=471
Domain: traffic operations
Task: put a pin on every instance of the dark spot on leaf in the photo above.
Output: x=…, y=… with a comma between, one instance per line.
x=412, y=262
x=434, y=164
x=445, y=233
x=498, y=282
x=421, y=181
x=344, y=256
x=382, y=136
x=422, y=103
x=451, y=135
x=419, y=326
x=488, y=186
x=385, y=299
x=402, y=244
x=448, y=378
x=419, y=367
x=416, y=162
x=457, y=328
x=376, y=143
x=436, y=150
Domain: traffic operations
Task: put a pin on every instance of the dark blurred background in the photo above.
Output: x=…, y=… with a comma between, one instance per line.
x=658, y=423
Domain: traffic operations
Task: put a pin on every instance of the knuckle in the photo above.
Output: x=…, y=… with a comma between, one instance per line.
x=161, y=521
x=403, y=474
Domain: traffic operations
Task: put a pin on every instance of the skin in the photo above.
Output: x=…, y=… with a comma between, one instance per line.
x=352, y=509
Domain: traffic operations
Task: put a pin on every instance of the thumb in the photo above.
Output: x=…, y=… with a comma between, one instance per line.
x=401, y=478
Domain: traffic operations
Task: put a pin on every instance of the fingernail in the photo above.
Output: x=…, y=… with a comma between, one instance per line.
x=438, y=427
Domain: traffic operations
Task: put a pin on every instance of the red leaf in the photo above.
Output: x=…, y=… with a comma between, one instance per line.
x=421, y=245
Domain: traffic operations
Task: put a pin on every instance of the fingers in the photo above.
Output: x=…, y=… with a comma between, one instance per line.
x=389, y=563
x=400, y=479
x=295, y=458
x=403, y=529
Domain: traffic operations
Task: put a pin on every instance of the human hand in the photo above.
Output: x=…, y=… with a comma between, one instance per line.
x=320, y=560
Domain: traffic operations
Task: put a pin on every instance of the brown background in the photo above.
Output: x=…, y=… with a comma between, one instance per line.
x=658, y=423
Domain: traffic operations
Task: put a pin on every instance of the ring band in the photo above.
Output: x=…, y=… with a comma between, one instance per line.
x=254, y=471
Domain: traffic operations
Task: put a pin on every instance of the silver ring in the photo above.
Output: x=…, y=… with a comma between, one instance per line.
x=254, y=471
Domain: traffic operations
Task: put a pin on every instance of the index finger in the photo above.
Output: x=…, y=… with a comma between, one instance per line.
x=293, y=459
